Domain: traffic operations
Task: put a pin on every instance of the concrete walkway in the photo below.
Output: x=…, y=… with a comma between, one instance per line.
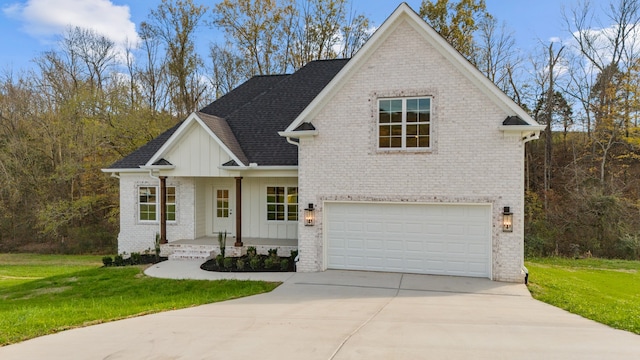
x=346, y=315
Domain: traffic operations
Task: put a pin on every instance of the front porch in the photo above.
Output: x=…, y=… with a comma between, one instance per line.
x=207, y=247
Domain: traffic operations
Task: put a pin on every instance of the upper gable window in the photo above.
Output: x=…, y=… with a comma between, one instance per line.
x=404, y=123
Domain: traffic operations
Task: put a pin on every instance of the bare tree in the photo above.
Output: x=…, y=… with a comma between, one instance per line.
x=174, y=22
x=258, y=28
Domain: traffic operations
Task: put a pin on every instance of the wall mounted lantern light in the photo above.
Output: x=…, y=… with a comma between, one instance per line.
x=309, y=216
x=507, y=220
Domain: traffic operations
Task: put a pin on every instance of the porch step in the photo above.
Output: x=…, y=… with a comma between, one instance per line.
x=188, y=251
x=192, y=254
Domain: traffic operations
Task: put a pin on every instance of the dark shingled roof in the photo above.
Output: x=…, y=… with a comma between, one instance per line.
x=256, y=124
x=514, y=120
x=251, y=115
x=145, y=152
x=222, y=130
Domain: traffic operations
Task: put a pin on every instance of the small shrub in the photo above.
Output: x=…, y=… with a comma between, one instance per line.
x=222, y=242
x=240, y=264
x=227, y=263
x=135, y=258
x=220, y=260
x=294, y=254
x=107, y=261
x=273, y=253
x=251, y=251
x=157, y=246
x=254, y=263
x=284, y=264
x=118, y=260
x=269, y=263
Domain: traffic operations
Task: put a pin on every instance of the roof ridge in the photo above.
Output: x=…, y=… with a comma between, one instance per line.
x=266, y=91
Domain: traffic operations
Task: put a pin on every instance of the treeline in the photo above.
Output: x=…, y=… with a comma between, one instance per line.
x=88, y=102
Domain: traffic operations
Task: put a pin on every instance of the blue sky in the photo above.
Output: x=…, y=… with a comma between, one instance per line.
x=29, y=27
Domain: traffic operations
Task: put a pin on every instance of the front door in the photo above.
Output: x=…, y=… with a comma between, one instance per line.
x=223, y=211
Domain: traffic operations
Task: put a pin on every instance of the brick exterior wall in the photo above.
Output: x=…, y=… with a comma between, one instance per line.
x=471, y=160
x=136, y=236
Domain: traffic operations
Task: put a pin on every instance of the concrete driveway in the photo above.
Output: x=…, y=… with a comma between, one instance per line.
x=350, y=315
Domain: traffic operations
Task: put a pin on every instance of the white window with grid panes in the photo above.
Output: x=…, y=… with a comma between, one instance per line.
x=282, y=203
x=149, y=203
x=404, y=123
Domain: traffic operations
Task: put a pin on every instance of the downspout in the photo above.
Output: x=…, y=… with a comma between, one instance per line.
x=534, y=136
x=115, y=175
x=297, y=258
x=296, y=143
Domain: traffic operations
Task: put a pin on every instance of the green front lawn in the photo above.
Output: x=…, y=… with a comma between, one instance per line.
x=607, y=291
x=43, y=294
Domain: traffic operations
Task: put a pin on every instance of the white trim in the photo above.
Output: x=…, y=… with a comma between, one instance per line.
x=521, y=128
x=115, y=171
x=259, y=168
x=177, y=135
x=157, y=167
x=404, y=12
x=298, y=134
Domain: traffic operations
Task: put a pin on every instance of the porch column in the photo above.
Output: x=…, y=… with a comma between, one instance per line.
x=238, y=211
x=163, y=209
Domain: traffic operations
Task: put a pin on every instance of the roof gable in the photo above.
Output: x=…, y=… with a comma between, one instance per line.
x=217, y=129
x=256, y=123
x=402, y=14
x=246, y=121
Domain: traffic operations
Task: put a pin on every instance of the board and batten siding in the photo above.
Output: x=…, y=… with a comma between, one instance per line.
x=254, y=207
x=196, y=154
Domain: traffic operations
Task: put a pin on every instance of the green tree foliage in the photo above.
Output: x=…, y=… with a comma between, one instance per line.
x=456, y=22
x=58, y=128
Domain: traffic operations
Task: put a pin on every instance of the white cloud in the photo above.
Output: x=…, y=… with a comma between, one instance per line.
x=44, y=19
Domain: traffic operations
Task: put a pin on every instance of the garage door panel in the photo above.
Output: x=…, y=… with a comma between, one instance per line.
x=355, y=244
x=375, y=245
x=415, y=245
x=478, y=250
x=374, y=227
x=394, y=245
x=419, y=238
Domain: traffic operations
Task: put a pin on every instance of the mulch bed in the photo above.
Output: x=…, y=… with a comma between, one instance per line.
x=255, y=263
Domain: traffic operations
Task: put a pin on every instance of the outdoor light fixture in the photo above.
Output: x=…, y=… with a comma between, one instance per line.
x=309, y=216
x=507, y=220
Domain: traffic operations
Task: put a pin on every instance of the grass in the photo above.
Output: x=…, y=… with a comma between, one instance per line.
x=44, y=294
x=607, y=291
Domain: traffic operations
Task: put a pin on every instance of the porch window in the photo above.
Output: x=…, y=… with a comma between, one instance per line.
x=404, y=123
x=171, y=203
x=149, y=203
x=282, y=203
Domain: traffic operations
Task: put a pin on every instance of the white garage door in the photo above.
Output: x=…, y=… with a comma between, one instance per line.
x=442, y=239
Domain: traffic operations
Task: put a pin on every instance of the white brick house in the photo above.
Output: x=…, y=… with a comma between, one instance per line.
x=408, y=154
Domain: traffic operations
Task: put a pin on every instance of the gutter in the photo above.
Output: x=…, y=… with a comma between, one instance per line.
x=254, y=166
